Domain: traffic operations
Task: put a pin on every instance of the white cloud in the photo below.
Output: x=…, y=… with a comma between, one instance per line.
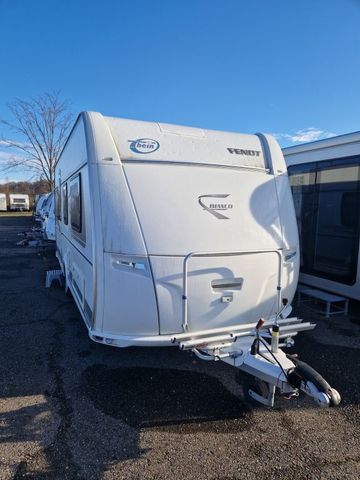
x=309, y=134
x=8, y=143
x=5, y=157
x=5, y=143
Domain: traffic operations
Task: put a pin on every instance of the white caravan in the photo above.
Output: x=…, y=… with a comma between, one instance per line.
x=171, y=235
x=39, y=205
x=3, y=204
x=325, y=180
x=18, y=201
x=49, y=219
x=45, y=209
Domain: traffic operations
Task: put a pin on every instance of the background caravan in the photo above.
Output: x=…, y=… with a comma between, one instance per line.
x=19, y=201
x=48, y=223
x=39, y=206
x=3, y=204
x=176, y=235
x=325, y=181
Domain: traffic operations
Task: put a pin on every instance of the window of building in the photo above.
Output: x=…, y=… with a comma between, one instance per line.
x=327, y=198
x=75, y=203
x=65, y=213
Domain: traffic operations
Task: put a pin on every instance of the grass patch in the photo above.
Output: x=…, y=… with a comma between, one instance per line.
x=16, y=214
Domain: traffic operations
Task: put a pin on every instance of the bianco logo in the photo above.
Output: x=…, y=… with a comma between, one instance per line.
x=213, y=207
x=144, y=145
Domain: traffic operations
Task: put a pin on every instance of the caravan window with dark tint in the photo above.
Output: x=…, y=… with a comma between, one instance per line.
x=57, y=204
x=65, y=213
x=327, y=199
x=75, y=203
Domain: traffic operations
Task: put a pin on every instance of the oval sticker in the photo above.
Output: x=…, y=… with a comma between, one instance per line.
x=144, y=145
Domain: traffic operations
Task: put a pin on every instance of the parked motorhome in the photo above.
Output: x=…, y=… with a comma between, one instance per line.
x=19, y=201
x=325, y=181
x=3, y=204
x=170, y=235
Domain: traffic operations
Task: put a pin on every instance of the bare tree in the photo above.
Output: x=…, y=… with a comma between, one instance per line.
x=43, y=124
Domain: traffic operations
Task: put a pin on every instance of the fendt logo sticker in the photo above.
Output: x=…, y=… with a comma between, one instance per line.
x=144, y=145
x=241, y=151
x=209, y=203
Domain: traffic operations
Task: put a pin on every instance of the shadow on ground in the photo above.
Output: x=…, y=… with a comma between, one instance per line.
x=178, y=401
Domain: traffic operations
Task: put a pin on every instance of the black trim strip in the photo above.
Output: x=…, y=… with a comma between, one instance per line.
x=221, y=286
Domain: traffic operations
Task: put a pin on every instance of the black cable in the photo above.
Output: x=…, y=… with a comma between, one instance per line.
x=271, y=353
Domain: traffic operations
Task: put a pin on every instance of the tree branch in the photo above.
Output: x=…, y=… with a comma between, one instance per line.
x=43, y=123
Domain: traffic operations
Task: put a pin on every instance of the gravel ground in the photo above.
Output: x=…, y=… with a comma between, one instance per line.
x=74, y=409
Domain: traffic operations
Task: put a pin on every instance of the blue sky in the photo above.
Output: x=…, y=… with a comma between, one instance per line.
x=283, y=67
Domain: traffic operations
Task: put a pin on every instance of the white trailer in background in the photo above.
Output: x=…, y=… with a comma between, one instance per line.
x=19, y=201
x=3, y=204
x=171, y=235
x=325, y=181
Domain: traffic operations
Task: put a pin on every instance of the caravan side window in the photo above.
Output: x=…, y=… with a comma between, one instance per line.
x=57, y=204
x=75, y=203
x=65, y=213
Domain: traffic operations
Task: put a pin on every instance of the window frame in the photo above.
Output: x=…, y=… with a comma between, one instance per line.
x=58, y=210
x=65, y=203
x=75, y=227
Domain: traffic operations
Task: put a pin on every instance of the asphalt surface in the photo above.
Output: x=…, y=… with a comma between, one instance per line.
x=74, y=409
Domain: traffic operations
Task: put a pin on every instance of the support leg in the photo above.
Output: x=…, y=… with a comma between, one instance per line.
x=327, y=314
x=271, y=396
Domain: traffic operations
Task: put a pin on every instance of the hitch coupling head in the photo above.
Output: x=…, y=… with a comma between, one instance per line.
x=329, y=399
x=305, y=378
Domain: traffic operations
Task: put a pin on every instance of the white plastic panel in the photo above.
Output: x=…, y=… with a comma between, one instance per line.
x=120, y=226
x=256, y=298
x=79, y=277
x=129, y=297
x=175, y=222
x=147, y=141
x=287, y=213
x=74, y=154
